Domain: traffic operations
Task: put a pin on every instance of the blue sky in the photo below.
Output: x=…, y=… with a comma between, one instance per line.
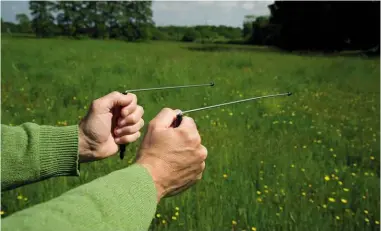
x=230, y=13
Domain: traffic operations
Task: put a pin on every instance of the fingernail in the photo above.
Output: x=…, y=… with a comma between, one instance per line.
x=122, y=122
x=117, y=131
x=117, y=140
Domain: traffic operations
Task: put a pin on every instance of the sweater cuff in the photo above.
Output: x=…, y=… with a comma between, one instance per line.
x=59, y=151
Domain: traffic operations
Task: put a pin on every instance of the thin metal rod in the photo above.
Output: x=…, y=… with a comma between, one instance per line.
x=161, y=88
x=238, y=101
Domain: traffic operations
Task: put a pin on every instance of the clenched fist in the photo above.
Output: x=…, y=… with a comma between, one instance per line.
x=111, y=120
x=174, y=156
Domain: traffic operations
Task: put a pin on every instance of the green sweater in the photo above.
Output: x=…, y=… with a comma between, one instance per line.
x=122, y=200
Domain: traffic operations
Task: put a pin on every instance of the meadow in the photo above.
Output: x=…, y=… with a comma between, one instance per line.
x=310, y=161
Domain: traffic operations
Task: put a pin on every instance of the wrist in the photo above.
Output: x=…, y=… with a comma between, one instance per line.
x=160, y=190
x=85, y=150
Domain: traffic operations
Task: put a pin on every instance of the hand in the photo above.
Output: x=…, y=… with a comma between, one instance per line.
x=173, y=156
x=111, y=120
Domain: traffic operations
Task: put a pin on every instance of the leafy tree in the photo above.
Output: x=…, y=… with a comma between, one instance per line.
x=191, y=35
x=24, y=23
x=42, y=18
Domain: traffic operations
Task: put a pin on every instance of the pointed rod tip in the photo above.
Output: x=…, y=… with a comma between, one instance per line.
x=289, y=93
x=212, y=83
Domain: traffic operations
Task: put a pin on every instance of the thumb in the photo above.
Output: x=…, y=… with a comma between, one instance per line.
x=115, y=99
x=165, y=118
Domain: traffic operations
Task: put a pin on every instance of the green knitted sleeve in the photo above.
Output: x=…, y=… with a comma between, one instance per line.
x=122, y=200
x=31, y=153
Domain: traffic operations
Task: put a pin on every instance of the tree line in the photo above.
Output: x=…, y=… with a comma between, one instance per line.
x=127, y=20
x=291, y=25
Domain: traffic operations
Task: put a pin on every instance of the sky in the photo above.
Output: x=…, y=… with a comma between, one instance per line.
x=185, y=13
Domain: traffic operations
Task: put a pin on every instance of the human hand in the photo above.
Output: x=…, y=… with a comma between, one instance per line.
x=111, y=120
x=173, y=156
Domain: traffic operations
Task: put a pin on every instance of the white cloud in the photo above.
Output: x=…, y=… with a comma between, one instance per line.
x=248, y=5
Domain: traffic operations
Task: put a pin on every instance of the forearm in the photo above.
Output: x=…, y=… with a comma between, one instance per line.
x=123, y=200
x=31, y=153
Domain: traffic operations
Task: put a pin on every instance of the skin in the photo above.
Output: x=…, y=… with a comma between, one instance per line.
x=111, y=120
x=174, y=156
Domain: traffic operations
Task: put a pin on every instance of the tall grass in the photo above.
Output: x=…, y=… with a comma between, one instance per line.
x=305, y=162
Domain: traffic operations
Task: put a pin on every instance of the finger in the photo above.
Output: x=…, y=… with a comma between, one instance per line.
x=164, y=119
x=127, y=138
x=128, y=130
x=203, y=153
x=114, y=99
x=133, y=118
x=130, y=108
x=188, y=123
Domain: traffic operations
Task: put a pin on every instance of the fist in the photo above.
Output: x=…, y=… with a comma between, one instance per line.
x=111, y=120
x=174, y=156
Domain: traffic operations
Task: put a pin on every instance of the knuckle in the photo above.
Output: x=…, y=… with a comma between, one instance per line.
x=115, y=93
x=141, y=123
x=151, y=125
x=96, y=104
x=203, y=165
x=194, y=139
x=203, y=153
x=134, y=119
x=134, y=97
x=141, y=109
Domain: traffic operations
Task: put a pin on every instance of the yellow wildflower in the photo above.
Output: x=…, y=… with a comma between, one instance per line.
x=377, y=222
x=344, y=201
x=367, y=220
x=340, y=183
x=366, y=211
x=324, y=206
x=337, y=218
x=234, y=222
x=303, y=193
x=174, y=218
x=253, y=229
x=302, y=169
x=331, y=149
x=304, y=146
x=331, y=199
x=177, y=214
x=346, y=190
x=158, y=215
x=326, y=178
x=225, y=175
x=259, y=199
x=163, y=221
x=177, y=208
x=1, y=212
x=292, y=166
x=259, y=192
x=372, y=157
x=230, y=113
x=19, y=197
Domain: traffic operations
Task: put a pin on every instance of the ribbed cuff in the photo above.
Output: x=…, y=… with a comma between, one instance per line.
x=59, y=151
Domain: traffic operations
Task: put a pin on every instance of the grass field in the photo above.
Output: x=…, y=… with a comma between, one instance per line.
x=305, y=162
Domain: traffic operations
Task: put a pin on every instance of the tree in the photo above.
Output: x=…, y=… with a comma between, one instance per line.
x=327, y=26
x=248, y=26
x=42, y=18
x=24, y=23
x=191, y=35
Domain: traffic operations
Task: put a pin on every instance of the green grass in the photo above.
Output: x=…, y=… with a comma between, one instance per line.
x=275, y=153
